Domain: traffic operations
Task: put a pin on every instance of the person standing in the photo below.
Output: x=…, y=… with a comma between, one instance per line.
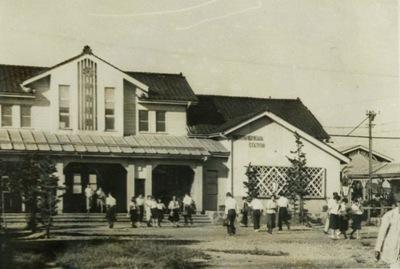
x=356, y=218
x=344, y=217
x=257, y=208
x=160, y=211
x=271, y=213
x=133, y=212
x=101, y=198
x=283, y=213
x=89, y=197
x=387, y=245
x=334, y=220
x=245, y=212
x=330, y=203
x=111, y=204
x=230, y=213
x=187, y=209
x=140, y=205
x=147, y=206
x=173, y=208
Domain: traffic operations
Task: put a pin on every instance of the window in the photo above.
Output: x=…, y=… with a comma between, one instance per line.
x=63, y=99
x=25, y=116
x=160, y=121
x=77, y=184
x=6, y=115
x=109, y=94
x=143, y=121
x=93, y=181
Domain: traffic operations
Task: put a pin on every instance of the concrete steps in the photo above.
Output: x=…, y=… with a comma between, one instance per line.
x=95, y=219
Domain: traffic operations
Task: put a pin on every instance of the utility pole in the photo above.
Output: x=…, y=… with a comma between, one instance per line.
x=371, y=116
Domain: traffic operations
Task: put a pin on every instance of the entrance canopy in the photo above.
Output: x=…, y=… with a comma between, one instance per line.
x=14, y=141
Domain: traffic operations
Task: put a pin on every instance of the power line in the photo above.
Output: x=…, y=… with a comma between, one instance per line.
x=355, y=128
x=366, y=136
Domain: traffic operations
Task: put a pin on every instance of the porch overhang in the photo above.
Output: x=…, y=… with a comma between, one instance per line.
x=14, y=141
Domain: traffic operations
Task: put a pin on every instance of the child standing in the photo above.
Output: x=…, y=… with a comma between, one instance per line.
x=133, y=212
x=160, y=211
x=271, y=213
x=173, y=207
x=245, y=212
x=343, y=217
x=356, y=217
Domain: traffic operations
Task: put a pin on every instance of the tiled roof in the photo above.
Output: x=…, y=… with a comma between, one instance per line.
x=14, y=140
x=162, y=87
x=214, y=114
x=171, y=87
x=11, y=76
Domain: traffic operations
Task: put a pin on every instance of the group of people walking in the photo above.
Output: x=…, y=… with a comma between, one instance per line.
x=151, y=211
x=274, y=207
x=339, y=215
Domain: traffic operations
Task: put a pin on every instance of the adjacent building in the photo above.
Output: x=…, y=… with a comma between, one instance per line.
x=136, y=133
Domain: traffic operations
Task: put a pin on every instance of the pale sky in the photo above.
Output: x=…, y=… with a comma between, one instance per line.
x=339, y=56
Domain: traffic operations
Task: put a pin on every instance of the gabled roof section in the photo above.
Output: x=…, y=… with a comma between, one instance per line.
x=346, y=150
x=215, y=114
x=158, y=86
x=165, y=87
x=86, y=52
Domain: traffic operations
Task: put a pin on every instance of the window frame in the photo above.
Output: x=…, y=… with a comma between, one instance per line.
x=64, y=114
x=163, y=112
x=22, y=116
x=109, y=116
x=140, y=120
x=3, y=106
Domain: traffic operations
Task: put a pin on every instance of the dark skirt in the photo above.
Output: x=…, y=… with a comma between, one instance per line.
x=334, y=221
x=174, y=215
x=271, y=220
x=154, y=213
x=111, y=214
x=356, y=222
x=344, y=223
x=160, y=214
x=134, y=215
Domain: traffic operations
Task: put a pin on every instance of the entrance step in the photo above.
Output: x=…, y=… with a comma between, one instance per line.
x=84, y=219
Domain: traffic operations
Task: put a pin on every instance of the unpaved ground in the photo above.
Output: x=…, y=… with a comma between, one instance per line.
x=305, y=248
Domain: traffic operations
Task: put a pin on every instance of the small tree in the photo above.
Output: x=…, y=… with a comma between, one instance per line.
x=297, y=178
x=34, y=178
x=252, y=183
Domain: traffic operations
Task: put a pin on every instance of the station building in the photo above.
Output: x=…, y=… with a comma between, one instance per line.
x=136, y=133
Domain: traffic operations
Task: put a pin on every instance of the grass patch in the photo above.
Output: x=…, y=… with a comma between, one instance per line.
x=254, y=251
x=132, y=254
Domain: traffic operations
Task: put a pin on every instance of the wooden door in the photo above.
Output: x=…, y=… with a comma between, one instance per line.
x=210, y=199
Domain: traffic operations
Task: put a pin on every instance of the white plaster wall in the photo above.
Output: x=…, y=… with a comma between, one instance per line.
x=45, y=117
x=175, y=118
x=278, y=143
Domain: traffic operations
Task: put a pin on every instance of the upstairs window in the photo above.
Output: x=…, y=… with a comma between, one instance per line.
x=6, y=115
x=143, y=121
x=64, y=111
x=25, y=116
x=160, y=121
x=109, y=100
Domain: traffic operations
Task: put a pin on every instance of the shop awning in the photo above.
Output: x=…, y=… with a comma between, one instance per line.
x=15, y=141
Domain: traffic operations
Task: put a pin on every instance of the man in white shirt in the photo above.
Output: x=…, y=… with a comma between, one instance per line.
x=89, y=194
x=257, y=207
x=387, y=245
x=111, y=210
x=230, y=213
x=188, y=209
x=283, y=214
x=140, y=204
x=271, y=211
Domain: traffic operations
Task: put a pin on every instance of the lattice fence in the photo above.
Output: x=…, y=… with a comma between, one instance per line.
x=272, y=179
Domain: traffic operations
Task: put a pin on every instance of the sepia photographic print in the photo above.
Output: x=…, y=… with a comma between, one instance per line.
x=199, y=134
